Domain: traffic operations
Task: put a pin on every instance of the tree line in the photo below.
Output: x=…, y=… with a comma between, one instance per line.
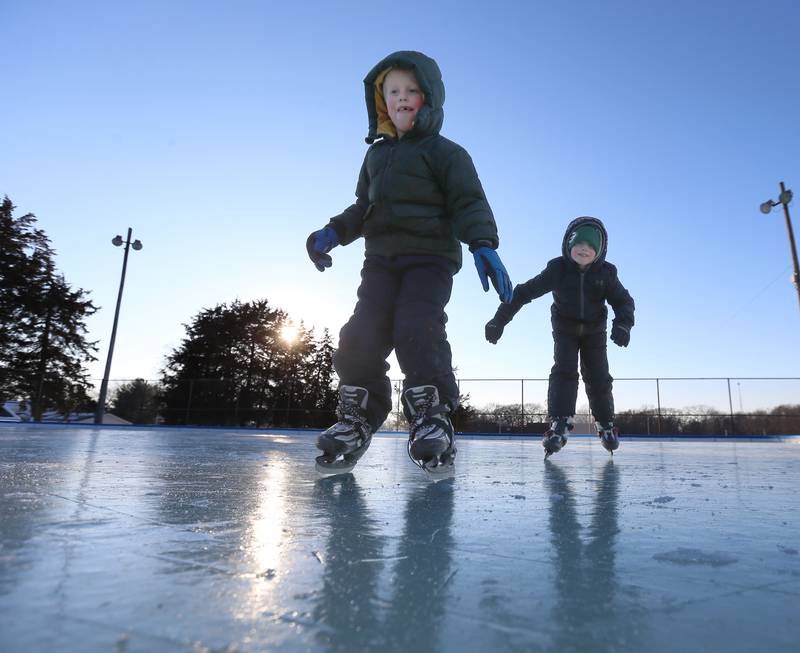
x=693, y=420
x=234, y=367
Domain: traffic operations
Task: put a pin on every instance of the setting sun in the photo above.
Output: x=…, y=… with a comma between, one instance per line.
x=289, y=333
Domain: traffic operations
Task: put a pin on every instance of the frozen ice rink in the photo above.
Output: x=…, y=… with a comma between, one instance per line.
x=123, y=539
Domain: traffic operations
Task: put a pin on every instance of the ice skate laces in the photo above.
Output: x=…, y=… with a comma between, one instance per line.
x=562, y=425
x=608, y=432
x=352, y=413
x=425, y=422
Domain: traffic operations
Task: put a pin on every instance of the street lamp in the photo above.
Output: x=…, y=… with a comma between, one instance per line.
x=101, y=401
x=784, y=198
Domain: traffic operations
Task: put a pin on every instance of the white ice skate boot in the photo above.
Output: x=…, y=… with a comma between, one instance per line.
x=431, y=441
x=555, y=438
x=347, y=440
x=609, y=436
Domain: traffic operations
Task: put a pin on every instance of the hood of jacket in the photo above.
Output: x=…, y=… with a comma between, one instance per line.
x=430, y=117
x=579, y=222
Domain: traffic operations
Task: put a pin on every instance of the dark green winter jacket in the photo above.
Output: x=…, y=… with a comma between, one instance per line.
x=420, y=194
x=579, y=297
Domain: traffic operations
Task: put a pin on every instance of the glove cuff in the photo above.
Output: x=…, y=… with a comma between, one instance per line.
x=338, y=229
x=477, y=244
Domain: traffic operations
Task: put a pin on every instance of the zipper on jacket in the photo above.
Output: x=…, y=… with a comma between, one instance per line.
x=386, y=168
x=581, y=293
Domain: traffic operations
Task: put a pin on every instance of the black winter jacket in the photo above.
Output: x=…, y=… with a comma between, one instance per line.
x=419, y=194
x=579, y=297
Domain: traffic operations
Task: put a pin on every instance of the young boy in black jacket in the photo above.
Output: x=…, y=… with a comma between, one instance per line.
x=418, y=198
x=581, y=281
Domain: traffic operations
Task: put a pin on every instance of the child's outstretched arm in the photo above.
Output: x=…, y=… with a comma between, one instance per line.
x=473, y=218
x=342, y=229
x=524, y=293
x=622, y=303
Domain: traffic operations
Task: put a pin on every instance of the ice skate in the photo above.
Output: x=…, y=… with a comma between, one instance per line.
x=431, y=441
x=555, y=438
x=609, y=436
x=347, y=440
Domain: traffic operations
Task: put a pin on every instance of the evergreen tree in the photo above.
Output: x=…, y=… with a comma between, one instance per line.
x=321, y=391
x=234, y=367
x=136, y=401
x=294, y=389
x=43, y=346
x=225, y=370
x=22, y=252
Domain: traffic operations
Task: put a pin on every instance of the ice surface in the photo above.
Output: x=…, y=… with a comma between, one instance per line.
x=683, y=556
x=126, y=539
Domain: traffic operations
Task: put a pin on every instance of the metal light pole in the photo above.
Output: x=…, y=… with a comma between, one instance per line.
x=101, y=401
x=784, y=198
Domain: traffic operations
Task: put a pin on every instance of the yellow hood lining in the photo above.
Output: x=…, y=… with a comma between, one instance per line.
x=385, y=125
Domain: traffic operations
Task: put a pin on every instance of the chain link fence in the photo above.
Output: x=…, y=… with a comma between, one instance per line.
x=646, y=406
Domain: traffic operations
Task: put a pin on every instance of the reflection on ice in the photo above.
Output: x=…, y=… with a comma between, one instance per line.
x=265, y=534
x=180, y=539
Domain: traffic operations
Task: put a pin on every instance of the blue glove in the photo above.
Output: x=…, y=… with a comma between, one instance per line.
x=491, y=267
x=319, y=244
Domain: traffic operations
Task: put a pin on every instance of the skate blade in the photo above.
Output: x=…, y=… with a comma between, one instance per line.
x=551, y=451
x=608, y=448
x=326, y=468
x=440, y=472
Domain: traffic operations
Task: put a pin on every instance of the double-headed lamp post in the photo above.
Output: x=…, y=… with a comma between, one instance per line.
x=784, y=198
x=101, y=401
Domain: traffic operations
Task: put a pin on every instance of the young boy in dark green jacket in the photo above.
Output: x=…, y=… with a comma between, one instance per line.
x=418, y=198
x=581, y=281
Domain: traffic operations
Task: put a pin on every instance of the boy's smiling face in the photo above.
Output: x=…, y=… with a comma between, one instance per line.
x=404, y=99
x=583, y=254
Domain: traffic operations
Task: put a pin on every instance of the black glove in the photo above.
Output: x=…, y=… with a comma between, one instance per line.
x=493, y=331
x=620, y=335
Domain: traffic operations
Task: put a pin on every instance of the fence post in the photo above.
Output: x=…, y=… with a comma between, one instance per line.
x=398, y=387
x=522, y=399
x=730, y=404
x=658, y=397
x=456, y=421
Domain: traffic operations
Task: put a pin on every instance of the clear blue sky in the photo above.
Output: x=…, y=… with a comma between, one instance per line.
x=224, y=132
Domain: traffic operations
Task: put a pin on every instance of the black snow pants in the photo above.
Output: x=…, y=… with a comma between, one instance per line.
x=562, y=391
x=400, y=306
